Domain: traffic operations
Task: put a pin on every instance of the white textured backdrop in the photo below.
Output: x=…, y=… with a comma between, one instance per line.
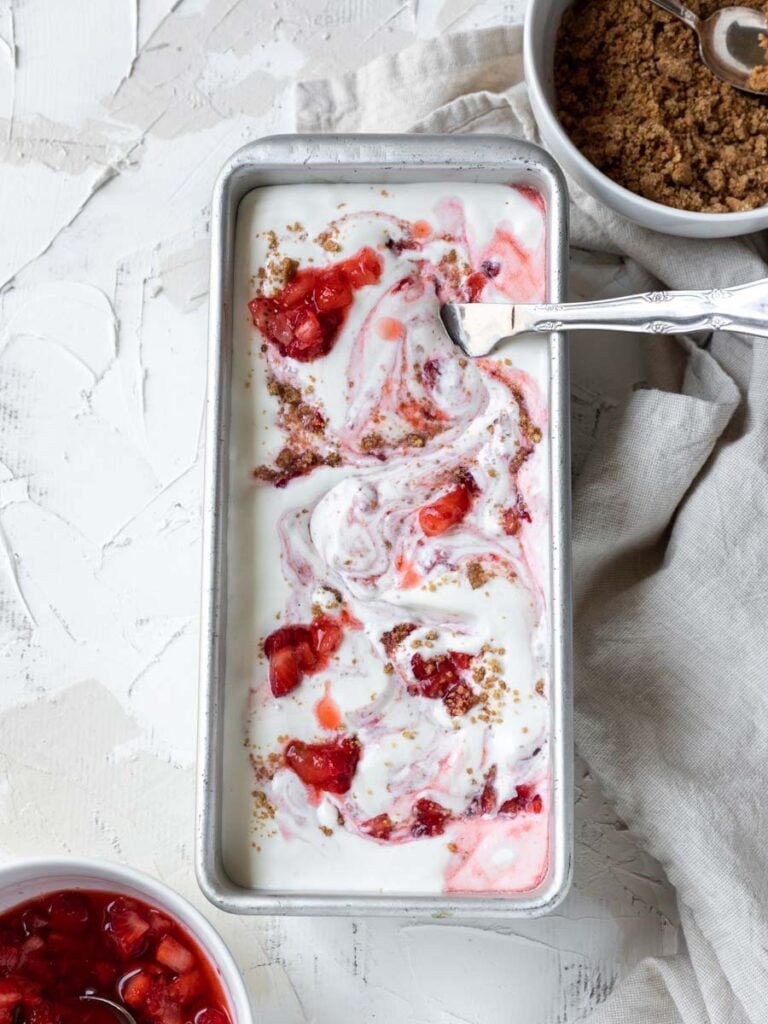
x=115, y=116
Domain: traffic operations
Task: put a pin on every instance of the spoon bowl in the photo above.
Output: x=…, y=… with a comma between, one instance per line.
x=731, y=42
x=121, y=1014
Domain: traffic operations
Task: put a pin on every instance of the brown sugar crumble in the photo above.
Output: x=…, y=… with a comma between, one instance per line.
x=635, y=97
x=758, y=78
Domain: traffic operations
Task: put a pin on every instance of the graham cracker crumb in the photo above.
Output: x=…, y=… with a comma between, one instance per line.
x=640, y=104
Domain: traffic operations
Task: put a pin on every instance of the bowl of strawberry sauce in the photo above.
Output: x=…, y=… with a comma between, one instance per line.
x=75, y=932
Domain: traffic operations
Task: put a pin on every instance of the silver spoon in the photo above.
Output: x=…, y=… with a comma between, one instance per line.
x=123, y=1015
x=478, y=327
x=729, y=41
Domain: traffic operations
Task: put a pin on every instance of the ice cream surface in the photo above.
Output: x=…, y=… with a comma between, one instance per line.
x=388, y=640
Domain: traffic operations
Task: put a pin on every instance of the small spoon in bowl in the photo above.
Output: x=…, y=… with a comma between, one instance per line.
x=120, y=1013
x=732, y=42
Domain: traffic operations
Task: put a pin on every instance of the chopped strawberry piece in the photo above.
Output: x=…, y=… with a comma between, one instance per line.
x=475, y=284
x=294, y=651
x=326, y=636
x=211, y=1015
x=290, y=654
x=272, y=320
x=9, y=959
x=284, y=672
x=126, y=928
x=307, y=331
x=328, y=766
x=485, y=801
x=159, y=924
x=435, y=677
x=379, y=827
x=363, y=268
x=33, y=920
x=134, y=989
x=430, y=819
x=103, y=973
x=46, y=1013
x=446, y=512
x=160, y=1007
x=304, y=318
x=11, y=991
x=298, y=288
x=524, y=800
x=68, y=912
x=461, y=659
x=333, y=290
x=171, y=954
x=186, y=987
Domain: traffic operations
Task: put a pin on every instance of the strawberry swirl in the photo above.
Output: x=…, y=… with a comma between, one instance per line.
x=398, y=698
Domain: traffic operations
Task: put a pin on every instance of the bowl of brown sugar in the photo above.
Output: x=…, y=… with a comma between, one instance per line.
x=626, y=105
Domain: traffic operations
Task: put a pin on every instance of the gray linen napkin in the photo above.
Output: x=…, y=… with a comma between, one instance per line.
x=671, y=574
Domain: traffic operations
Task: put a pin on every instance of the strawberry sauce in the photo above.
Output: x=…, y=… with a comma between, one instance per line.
x=64, y=945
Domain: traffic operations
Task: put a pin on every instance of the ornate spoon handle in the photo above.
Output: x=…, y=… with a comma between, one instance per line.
x=743, y=309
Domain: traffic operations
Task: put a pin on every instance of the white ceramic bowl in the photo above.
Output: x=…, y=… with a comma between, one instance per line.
x=541, y=25
x=28, y=879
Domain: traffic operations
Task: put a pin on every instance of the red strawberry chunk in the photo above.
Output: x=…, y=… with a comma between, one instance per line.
x=475, y=284
x=303, y=319
x=159, y=924
x=160, y=1007
x=524, y=800
x=284, y=671
x=171, y=954
x=446, y=512
x=134, y=989
x=328, y=766
x=333, y=290
x=12, y=991
x=126, y=928
x=186, y=987
x=379, y=827
x=307, y=332
x=485, y=801
x=46, y=1013
x=364, y=268
x=9, y=959
x=103, y=973
x=294, y=651
x=435, y=677
x=326, y=636
x=298, y=288
x=69, y=912
x=430, y=819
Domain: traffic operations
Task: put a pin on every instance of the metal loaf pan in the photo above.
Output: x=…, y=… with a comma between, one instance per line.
x=375, y=159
